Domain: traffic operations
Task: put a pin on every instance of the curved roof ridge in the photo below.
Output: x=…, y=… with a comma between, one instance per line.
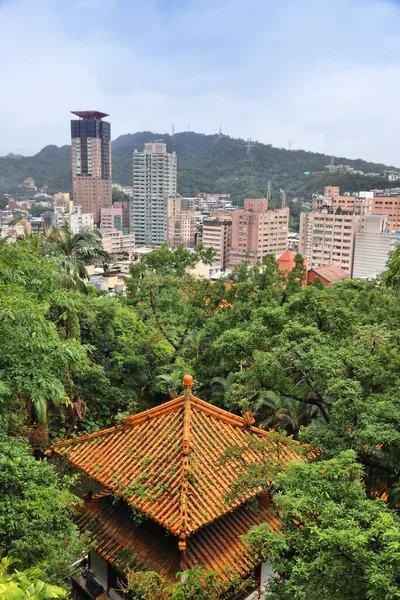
x=225, y=415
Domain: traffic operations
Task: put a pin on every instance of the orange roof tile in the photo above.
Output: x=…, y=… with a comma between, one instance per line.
x=146, y=547
x=165, y=461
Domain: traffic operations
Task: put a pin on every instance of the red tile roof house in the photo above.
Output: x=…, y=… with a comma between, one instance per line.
x=327, y=275
x=164, y=463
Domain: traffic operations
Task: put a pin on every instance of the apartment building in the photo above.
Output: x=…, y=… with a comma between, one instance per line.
x=257, y=231
x=91, y=162
x=73, y=216
x=217, y=234
x=182, y=229
x=115, y=218
x=372, y=247
x=328, y=238
x=154, y=181
x=389, y=206
x=119, y=245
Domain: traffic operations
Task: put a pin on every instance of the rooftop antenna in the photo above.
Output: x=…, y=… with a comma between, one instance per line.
x=268, y=197
x=283, y=198
x=249, y=145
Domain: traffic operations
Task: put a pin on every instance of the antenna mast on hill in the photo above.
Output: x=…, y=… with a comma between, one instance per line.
x=283, y=198
x=173, y=129
x=249, y=145
x=268, y=196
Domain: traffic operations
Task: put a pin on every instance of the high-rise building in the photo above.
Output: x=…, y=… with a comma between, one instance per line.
x=154, y=181
x=91, y=162
x=328, y=238
x=257, y=231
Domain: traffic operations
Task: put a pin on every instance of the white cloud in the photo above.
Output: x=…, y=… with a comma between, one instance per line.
x=323, y=75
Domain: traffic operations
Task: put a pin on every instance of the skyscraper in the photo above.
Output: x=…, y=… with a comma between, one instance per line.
x=154, y=181
x=91, y=162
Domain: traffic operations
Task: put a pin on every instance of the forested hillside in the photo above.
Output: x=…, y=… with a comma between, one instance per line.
x=206, y=163
x=319, y=364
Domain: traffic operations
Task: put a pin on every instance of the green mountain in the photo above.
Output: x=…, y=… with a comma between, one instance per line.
x=206, y=163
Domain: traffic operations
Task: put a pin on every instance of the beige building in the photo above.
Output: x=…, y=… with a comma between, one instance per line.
x=217, y=234
x=328, y=238
x=91, y=162
x=257, y=232
x=372, y=247
x=182, y=229
x=73, y=215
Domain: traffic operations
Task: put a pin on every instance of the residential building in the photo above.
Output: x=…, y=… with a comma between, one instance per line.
x=189, y=520
x=372, y=247
x=328, y=238
x=119, y=245
x=61, y=199
x=257, y=231
x=327, y=275
x=91, y=162
x=73, y=215
x=217, y=234
x=174, y=206
x=115, y=218
x=182, y=229
x=154, y=181
x=389, y=206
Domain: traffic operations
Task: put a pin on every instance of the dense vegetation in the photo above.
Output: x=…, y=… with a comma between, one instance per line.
x=321, y=364
x=206, y=163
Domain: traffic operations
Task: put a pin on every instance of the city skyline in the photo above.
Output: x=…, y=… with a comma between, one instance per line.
x=320, y=75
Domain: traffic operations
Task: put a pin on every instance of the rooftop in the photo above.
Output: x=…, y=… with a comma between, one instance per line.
x=331, y=273
x=166, y=461
x=89, y=114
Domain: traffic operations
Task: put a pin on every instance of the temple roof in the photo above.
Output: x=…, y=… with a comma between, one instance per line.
x=166, y=461
x=145, y=546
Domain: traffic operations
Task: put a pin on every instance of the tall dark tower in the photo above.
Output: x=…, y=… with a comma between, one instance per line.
x=91, y=162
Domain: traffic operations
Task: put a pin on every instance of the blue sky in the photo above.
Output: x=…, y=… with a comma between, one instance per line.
x=324, y=74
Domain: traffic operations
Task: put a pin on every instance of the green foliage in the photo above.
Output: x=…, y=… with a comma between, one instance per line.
x=25, y=585
x=35, y=512
x=145, y=585
x=333, y=542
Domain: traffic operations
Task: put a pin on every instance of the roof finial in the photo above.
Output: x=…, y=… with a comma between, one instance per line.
x=187, y=381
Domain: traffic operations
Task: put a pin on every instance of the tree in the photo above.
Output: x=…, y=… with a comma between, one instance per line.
x=333, y=541
x=25, y=585
x=76, y=250
x=35, y=512
x=391, y=277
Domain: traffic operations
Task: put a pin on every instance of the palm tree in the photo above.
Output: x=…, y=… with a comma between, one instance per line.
x=226, y=383
x=193, y=342
x=279, y=411
x=75, y=250
x=173, y=381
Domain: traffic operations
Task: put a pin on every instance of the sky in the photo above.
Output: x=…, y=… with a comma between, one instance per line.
x=323, y=75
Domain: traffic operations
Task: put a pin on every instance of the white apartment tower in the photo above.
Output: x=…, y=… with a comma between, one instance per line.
x=154, y=181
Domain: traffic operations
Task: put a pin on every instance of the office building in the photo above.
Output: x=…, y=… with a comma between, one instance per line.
x=257, y=231
x=372, y=247
x=217, y=234
x=328, y=238
x=91, y=162
x=154, y=182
